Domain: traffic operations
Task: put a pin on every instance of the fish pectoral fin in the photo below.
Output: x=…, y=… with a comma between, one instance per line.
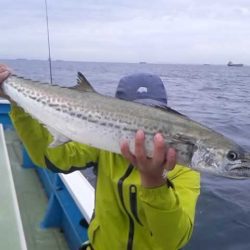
x=58, y=139
x=185, y=148
x=83, y=84
x=183, y=138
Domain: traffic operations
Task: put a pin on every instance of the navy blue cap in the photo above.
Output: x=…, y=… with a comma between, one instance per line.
x=144, y=88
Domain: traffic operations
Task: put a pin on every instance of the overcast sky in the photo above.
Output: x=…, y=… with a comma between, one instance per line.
x=158, y=31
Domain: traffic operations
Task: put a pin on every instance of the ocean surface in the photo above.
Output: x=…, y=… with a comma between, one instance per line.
x=218, y=96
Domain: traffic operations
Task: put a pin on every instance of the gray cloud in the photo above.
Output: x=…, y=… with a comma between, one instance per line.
x=180, y=31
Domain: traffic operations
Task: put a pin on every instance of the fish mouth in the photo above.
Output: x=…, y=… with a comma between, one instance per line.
x=240, y=171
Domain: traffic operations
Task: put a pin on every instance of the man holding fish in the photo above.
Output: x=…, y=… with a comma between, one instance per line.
x=137, y=206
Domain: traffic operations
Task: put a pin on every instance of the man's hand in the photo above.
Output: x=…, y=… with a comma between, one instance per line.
x=151, y=169
x=4, y=74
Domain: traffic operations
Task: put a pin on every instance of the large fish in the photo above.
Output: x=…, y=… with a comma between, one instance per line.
x=80, y=114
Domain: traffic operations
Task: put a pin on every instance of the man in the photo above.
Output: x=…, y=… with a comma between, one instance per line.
x=135, y=208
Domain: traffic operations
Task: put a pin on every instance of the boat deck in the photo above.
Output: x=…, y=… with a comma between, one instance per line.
x=32, y=202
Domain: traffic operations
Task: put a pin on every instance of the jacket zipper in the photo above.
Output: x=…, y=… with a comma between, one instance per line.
x=133, y=202
x=131, y=221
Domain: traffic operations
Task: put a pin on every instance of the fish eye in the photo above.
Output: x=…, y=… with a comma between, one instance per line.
x=232, y=156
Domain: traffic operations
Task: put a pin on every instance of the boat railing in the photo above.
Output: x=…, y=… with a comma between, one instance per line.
x=81, y=191
x=11, y=230
x=70, y=196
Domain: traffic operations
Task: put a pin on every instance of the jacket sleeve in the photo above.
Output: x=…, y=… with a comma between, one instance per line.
x=169, y=211
x=36, y=138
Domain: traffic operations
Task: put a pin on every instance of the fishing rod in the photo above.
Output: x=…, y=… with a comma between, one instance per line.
x=48, y=38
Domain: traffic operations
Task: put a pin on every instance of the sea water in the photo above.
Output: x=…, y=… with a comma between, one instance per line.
x=215, y=95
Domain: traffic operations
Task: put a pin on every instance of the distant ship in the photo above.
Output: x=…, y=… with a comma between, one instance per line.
x=234, y=64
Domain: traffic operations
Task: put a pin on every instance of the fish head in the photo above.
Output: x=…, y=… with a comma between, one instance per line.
x=232, y=162
x=236, y=163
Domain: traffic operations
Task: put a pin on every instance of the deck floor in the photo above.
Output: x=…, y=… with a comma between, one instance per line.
x=32, y=201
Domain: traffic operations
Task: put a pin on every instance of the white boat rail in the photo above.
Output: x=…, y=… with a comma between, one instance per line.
x=11, y=228
x=81, y=191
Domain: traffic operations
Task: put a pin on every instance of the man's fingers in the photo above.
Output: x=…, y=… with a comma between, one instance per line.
x=4, y=75
x=127, y=154
x=171, y=159
x=4, y=72
x=159, y=149
x=140, y=153
x=3, y=68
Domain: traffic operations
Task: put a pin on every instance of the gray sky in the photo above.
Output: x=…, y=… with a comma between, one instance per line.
x=174, y=31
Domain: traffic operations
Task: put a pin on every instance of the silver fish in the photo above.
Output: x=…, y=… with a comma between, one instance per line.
x=81, y=114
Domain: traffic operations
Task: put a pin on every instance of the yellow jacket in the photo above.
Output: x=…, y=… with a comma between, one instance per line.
x=127, y=216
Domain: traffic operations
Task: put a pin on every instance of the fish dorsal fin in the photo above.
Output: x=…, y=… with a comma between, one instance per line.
x=83, y=84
